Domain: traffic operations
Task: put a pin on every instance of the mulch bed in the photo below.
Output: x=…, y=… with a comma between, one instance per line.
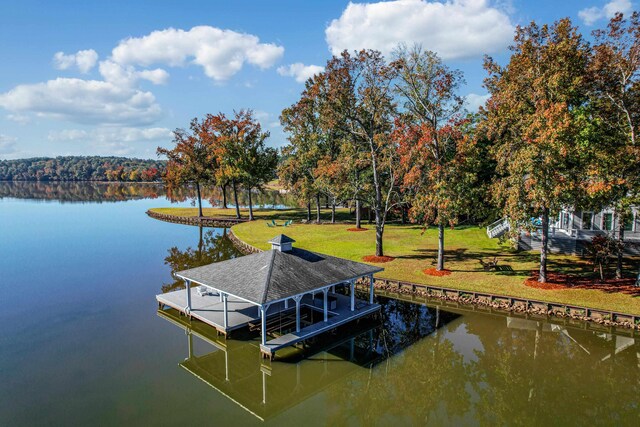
x=436, y=273
x=377, y=259
x=556, y=281
x=357, y=229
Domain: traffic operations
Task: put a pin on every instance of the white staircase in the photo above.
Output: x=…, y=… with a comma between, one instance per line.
x=498, y=228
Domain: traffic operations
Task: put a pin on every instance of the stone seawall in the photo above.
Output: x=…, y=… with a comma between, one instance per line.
x=203, y=221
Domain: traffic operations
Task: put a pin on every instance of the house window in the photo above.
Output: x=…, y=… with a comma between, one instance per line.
x=607, y=221
x=628, y=222
x=587, y=220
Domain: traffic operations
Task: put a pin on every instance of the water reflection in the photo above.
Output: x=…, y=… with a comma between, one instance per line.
x=75, y=192
x=213, y=246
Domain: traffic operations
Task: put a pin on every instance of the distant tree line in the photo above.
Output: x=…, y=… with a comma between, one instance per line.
x=81, y=168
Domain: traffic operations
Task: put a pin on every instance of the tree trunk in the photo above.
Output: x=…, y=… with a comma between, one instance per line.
x=404, y=214
x=620, y=248
x=327, y=202
x=358, y=214
x=318, y=208
x=308, y=210
x=333, y=211
x=224, y=195
x=235, y=198
x=199, y=199
x=250, y=206
x=379, y=232
x=544, y=247
x=440, y=265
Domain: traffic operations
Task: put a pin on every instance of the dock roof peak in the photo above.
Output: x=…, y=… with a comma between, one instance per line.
x=280, y=239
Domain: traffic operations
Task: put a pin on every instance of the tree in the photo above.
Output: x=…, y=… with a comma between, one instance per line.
x=302, y=122
x=360, y=98
x=434, y=148
x=534, y=116
x=192, y=160
x=242, y=152
x=614, y=178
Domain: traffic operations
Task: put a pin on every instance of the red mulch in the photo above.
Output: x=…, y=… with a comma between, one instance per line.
x=377, y=259
x=565, y=281
x=437, y=273
x=357, y=229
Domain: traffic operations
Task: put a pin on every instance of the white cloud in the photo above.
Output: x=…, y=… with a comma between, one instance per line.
x=83, y=101
x=221, y=53
x=454, y=29
x=7, y=144
x=473, y=101
x=85, y=60
x=300, y=71
x=593, y=14
x=128, y=76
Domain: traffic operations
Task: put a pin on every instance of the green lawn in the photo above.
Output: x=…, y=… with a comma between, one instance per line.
x=415, y=251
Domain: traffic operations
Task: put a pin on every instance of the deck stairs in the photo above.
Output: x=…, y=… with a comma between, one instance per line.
x=498, y=228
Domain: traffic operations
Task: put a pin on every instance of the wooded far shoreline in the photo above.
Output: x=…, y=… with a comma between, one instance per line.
x=82, y=168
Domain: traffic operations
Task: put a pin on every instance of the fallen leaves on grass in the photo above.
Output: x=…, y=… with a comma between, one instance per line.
x=436, y=273
x=557, y=281
x=357, y=229
x=377, y=259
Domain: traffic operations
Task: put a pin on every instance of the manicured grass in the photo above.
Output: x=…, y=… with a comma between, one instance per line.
x=415, y=251
x=297, y=214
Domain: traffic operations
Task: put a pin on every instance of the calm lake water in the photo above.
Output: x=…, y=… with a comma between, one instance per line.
x=82, y=341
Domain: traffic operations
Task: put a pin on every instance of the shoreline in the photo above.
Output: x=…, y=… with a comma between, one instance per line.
x=477, y=299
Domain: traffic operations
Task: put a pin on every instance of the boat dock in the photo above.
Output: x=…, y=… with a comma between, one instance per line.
x=288, y=294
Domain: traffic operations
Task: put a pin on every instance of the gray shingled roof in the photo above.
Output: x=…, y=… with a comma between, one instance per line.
x=273, y=275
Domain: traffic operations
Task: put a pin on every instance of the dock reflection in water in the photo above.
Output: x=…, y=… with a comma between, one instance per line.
x=234, y=367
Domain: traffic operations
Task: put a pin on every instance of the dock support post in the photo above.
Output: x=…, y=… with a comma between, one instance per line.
x=326, y=305
x=371, y=289
x=226, y=311
x=297, y=299
x=263, y=323
x=352, y=286
x=189, y=345
x=188, y=288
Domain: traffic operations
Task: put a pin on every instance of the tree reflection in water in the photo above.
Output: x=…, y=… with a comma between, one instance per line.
x=213, y=246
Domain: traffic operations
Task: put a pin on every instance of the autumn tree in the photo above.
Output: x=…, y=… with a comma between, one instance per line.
x=360, y=97
x=534, y=117
x=191, y=161
x=434, y=141
x=242, y=153
x=302, y=122
x=614, y=174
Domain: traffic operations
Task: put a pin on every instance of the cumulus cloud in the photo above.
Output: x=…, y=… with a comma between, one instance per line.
x=83, y=101
x=221, y=53
x=128, y=76
x=454, y=29
x=474, y=101
x=84, y=60
x=299, y=71
x=593, y=14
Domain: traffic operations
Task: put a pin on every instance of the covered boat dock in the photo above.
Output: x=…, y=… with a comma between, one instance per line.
x=289, y=294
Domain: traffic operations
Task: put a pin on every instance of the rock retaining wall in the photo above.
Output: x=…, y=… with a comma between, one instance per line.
x=204, y=221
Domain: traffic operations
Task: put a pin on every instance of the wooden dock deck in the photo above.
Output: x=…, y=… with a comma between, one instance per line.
x=209, y=309
x=339, y=316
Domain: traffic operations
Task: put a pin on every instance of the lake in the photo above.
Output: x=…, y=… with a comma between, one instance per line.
x=82, y=340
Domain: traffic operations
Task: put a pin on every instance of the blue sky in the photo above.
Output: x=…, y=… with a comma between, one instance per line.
x=115, y=77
